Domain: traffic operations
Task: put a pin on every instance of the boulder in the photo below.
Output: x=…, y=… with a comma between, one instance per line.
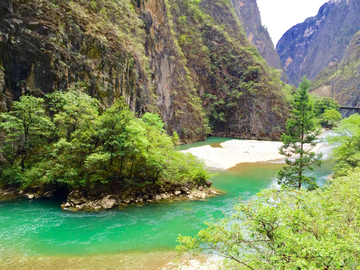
x=164, y=196
x=76, y=197
x=185, y=190
x=177, y=192
x=30, y=196
x=208, y=183
x=107, y=202
x=49, y=194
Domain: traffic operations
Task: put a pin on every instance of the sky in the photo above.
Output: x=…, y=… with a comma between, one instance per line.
x=280, y=15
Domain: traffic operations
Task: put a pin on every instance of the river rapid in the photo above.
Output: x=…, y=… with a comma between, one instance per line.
x=39, y=235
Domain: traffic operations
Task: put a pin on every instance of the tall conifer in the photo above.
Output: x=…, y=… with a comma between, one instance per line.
x=299, y=141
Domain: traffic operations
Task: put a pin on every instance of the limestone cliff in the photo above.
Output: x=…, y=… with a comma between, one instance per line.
x=249, y=16
x=319, y=41
x=341, y=81
x=182, y=59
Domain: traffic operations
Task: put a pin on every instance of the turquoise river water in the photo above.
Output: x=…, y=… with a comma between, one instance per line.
x=41, y=228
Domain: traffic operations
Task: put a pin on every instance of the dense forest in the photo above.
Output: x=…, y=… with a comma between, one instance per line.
x=64, y=142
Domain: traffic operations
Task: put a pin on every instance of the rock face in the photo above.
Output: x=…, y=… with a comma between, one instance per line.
x=319, y=41
x=249, y=16
x=341, y=81
x=182, y=59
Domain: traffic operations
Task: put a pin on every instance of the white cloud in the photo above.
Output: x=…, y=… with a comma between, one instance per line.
x=280, y=15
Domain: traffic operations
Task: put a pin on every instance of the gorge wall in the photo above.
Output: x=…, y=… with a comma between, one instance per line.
x=341, y=81
x=320, y=41
x=190, y=61
x=249, y=16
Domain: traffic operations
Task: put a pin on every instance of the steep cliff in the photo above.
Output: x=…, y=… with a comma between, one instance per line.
x=341, y=81
x=249, y=16
x=182, y=59
x=319, y=41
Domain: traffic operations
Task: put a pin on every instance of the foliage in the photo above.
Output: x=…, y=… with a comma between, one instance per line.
x=301, y=130
x=330, y=118
x=238, y=89
x=79, y=148
x=324, y=103
x=288, y=229
x=346, y=143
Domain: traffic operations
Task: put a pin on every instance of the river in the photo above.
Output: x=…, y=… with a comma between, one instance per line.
x=35, y=232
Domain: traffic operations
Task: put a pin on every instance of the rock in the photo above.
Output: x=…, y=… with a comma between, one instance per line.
x=185, y=190
x=208, y=183
x=107, y=202
x=177, y=192
x=164, y=196
x=67, y=204
x=76, y=197
x=145, y=197
x=30, y=196
x=200, y=188
x=203, y=196
x=38, y=196
x=157, y=197
x=49, y=194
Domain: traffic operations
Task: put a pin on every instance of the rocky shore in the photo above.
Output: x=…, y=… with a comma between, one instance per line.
x=93, y=200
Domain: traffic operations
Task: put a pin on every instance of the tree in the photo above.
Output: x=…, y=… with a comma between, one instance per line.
x=346, y=151
x=288, y=229
x=24, y=135
x=299, y=141
x=330, y=118
x=324, y=103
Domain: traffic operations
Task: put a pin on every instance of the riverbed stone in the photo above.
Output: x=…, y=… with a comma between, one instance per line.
x=177, y=192
x=49, y=194
x=76, y=197
x=107, y=202
x=185, y=190
x=30, y=196
x=208, y=183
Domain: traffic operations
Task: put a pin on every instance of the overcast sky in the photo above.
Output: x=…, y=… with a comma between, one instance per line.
x=280, y=15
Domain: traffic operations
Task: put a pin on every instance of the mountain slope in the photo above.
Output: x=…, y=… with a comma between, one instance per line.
x=319, y=41
x=188, y=60
x=342, y=80
x=249, y=16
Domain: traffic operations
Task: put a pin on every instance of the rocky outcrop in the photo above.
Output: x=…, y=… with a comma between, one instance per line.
x=240, y=93
x=76, y=200
x=249, y=16
x=320, y=41
x=169, y=56
x=102, y=198
x=341, y=81
x=102, y=48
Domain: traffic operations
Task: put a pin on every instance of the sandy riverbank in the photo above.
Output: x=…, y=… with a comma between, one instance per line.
x=236, y=152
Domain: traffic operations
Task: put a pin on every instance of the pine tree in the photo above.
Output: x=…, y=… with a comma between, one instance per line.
x=299, y=141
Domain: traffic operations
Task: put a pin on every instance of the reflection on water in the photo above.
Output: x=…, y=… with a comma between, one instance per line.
x=40, y=228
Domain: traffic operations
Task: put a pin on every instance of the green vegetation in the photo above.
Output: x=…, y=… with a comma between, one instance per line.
x=295, y=228
x=301, y=130
x=68, y=143
x=288, y=229
x=240, y=93
x=346, y=143
x=326, y=111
